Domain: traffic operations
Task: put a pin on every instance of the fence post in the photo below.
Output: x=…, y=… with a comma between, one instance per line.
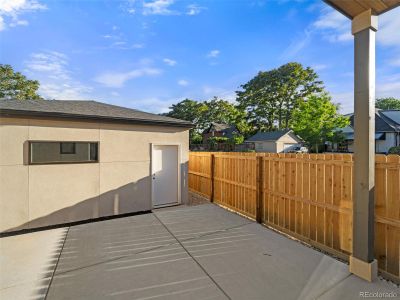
x=259, y=188
x=212, y=167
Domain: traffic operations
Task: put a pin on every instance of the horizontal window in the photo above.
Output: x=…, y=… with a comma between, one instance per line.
x=63, y=152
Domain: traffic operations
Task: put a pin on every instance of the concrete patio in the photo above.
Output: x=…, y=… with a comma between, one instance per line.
x=184, y=252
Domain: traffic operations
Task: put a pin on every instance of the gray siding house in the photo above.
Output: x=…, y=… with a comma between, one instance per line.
x=387, y=132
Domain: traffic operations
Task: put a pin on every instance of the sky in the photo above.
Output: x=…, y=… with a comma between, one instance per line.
x=150, y=54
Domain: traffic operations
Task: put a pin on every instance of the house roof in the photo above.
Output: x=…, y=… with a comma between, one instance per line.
x=87, y=110
x=225, y=129
x=217, y=127
x=269, y=136
x=385, y=120
x=392, y=116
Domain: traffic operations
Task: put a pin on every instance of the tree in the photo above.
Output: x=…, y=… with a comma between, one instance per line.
x=387, y=103
x=270, y=97
x=192, y=111
x=14, y=85
x=202, y=114
x=222, y=111
x=317, y=120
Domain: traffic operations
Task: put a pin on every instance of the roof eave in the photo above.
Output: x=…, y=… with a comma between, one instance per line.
x=25, y=113
x=338, y=9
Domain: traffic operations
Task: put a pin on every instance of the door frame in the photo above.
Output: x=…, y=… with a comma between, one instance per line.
x=179, y=149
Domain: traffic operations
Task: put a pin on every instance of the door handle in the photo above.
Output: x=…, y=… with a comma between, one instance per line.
x=154, y=176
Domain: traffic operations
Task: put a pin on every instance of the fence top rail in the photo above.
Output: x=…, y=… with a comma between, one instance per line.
x=379, y=158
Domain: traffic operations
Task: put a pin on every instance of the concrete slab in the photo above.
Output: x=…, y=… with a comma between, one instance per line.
x=128, y=258
x=249, y=261
x=197, y=252
x=27, y=263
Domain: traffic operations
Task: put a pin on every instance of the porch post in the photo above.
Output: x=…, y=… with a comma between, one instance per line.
x=362, y=262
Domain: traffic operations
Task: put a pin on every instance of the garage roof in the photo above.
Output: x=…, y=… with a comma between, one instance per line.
x=271, y=136
x=88, y=110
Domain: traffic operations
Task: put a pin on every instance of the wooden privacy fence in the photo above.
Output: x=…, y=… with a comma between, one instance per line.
x=308, y=196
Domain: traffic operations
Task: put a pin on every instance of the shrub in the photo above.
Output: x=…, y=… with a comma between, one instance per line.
x=394, y=150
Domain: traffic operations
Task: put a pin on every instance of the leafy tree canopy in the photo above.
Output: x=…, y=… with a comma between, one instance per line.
x=270, y=97
x=387, y=103
x=14, y=85
x=202, y=114
x=317, y=120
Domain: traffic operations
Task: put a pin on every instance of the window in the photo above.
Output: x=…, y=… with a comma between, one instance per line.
x=67, y=148
x=63, y=152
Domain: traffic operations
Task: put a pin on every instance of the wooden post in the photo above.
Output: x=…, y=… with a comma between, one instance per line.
x=259, y=188
x=212, y=167
x=362, y=262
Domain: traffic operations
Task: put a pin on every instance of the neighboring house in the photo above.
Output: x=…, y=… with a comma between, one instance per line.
x=219, y=130
x=387, y=132
x=67, y=161
x=275, y=141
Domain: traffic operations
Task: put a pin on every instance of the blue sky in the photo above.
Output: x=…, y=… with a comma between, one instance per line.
x=153, y=53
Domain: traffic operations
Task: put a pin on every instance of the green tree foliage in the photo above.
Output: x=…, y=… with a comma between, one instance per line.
x=14, y=85
x=270, y=97
x=387, y=103
x=192, y=111
x=222, y=111
x=202, y=114
x=317, y=120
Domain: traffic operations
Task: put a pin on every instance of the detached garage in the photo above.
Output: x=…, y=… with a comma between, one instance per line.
x=274, y=141
x=67, y=161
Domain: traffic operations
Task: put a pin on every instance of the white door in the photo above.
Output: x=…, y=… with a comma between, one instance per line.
x=165, y=175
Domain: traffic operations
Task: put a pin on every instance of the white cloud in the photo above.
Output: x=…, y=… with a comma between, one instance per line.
x=10, y=11
x=297, y=45
x=336, y=27
x=319, y=67
x=138, y=46
x=210, y=91
x=56, y=81
x=52, y=63
x=345, y=99
x=169, y=62
x=158, y=7
x=119, y=41
x=333, y=25
x=183, y=82
x=118, y=79
x=213, y=53
x=194, y=9
x=2, y=23
x=388, y=33
x=388, y=86
x=153, y=104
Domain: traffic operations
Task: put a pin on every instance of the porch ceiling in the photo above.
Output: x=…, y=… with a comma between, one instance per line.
x=352, y=8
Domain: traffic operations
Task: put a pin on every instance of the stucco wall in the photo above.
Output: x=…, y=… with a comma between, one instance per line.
x=40, y=195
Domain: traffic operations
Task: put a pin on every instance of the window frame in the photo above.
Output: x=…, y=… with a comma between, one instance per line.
x=29, y=160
